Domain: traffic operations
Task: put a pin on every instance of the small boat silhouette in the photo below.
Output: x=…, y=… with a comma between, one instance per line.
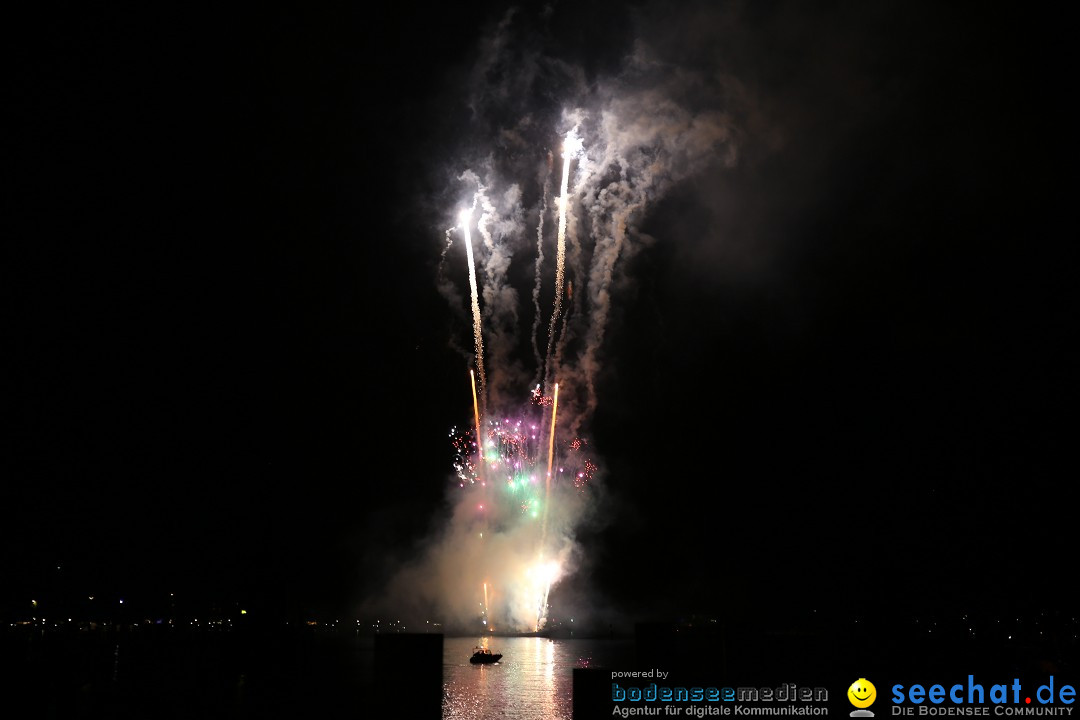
x=483, y=656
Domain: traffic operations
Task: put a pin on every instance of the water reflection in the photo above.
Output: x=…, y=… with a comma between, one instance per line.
x=534, y=679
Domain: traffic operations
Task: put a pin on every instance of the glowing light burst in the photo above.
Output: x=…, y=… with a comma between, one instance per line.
x=543, y=576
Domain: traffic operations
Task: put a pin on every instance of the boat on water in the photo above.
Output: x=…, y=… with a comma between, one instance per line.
x=484, y=656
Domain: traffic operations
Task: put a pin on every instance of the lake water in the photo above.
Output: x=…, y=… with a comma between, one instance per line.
x=300, y=674
x=533, y=680
x=288, y=675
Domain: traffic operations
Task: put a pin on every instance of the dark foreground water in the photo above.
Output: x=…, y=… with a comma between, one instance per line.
x=290, y=675
x=186, y=675
x=149, y=674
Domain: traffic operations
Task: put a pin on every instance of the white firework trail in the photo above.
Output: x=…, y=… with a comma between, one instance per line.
x=466, y=221
x=571, y=145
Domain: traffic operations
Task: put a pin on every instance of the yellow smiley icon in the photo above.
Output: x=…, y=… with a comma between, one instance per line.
x=862, y=693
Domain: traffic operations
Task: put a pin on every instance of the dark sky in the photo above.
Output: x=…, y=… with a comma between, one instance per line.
x=846, y=359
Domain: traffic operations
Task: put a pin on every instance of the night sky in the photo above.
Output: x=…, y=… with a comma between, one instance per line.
x=844, y=361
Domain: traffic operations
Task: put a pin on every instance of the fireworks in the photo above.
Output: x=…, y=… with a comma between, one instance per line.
x=511, y=454
x=580, y=184
x=531, y=481
x=530, y=475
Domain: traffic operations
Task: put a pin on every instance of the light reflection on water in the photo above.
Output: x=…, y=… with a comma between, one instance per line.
x=533, y=680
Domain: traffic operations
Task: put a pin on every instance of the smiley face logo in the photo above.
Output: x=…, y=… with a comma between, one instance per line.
x=862, y=693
